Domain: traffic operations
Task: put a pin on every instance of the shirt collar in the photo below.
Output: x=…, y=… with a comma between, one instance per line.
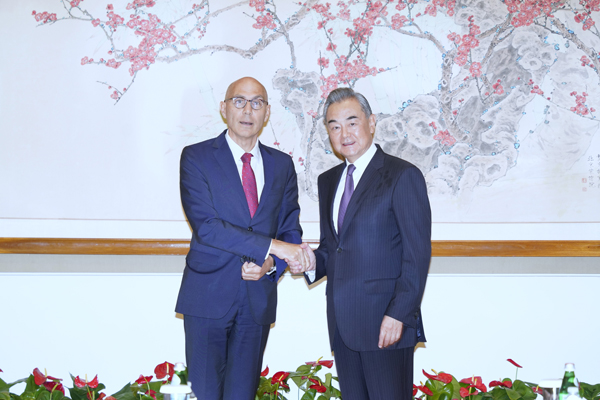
x=365, y=159
x=238, y=152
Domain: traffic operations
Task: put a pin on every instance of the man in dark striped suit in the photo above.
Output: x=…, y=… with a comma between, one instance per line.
x=375, y=250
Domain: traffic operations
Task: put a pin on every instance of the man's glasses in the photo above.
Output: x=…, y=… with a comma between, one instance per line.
x=240, y=102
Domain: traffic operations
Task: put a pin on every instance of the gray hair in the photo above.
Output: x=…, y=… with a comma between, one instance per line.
x=341, y=94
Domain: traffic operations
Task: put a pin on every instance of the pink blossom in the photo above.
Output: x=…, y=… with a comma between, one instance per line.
x=259, y=5
x=114, y=95
x=445, y=138
x=109, y=7
x=265, y=21
x=96, y=22
x=323, y=62
x=398, y=21
x=75, y=3
x=113, y=63
x=331, y=47
x=498, y=89
x=431, y=9
x=475, y=69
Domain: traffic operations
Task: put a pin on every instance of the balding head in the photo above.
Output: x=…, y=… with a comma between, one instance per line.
x=247, y=83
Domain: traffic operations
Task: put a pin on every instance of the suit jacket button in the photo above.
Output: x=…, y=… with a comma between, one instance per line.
x=243, y=259
x=339, y=249
x=250, y=228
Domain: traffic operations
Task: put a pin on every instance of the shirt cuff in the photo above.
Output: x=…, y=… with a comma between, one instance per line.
x=311, y=275
x=269, y=250
x=274, y=267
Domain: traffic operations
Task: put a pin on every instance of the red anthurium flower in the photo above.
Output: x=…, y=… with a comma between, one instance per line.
x=151, y=393
x=442, y=377
x=78, y=382
x=81, y=382
x=40, y=378
x=425, y=390
x=102, y=395
x=537, y=390
x=317, y=385
x=1, y=370
x=325, y=363
x=52, y=386
x=464, y=392
x=415, y=389
x=143, y=379
x=280, y=378
x=507, y=384
x=265, y=372
x=475, y=382
x=164, y=369
x=513, y=363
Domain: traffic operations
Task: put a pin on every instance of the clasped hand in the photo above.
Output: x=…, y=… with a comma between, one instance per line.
x=299, y=257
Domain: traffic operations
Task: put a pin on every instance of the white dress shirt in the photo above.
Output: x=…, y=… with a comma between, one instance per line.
x=257, y=166
x=360, y=164
x=255, y=162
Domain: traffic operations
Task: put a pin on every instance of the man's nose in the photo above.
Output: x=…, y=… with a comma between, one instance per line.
x=248, y=108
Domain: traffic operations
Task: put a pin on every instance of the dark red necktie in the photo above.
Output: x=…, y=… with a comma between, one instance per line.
x=249, y=184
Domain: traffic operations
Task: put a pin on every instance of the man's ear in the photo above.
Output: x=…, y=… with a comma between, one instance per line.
x=372, y=123
x=267, y=114
x=223, y=108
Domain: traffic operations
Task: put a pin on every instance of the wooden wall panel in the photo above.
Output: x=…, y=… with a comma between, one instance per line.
x=441, y=248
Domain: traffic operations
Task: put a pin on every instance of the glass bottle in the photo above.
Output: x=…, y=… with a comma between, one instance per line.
x=570, y=384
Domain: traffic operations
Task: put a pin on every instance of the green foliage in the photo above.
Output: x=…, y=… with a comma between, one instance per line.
x=589, y=392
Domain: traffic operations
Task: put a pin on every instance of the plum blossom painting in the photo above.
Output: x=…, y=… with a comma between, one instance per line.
x=495, y=101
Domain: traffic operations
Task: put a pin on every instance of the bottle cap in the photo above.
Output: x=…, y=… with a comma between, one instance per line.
x=569, y=367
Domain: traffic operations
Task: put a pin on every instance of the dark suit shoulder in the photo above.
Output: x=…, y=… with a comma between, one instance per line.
x=332, y=172
x=278, y=155
x=390, y=161
x=204, y=146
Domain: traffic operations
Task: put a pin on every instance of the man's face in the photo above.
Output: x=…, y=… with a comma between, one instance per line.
x=350, y=131
x=245, y=123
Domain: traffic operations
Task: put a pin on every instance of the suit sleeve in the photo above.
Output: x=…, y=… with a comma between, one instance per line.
x=321, y=253
x=413, y=216
x=289, y=229
x=207, y=226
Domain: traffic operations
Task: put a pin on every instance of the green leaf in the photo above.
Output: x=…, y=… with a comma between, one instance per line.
x=513, y=394
x=4, y=395
x=126, y=393
x=589, y=392
x=304, y=369
x=309, y=395
x=328, y=377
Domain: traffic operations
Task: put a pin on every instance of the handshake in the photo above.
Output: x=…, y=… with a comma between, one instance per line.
x=299, y=257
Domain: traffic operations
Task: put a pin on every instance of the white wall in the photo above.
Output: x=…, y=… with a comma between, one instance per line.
x=121, y=324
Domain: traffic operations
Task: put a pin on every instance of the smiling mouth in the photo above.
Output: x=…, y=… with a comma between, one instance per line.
x=246, y=123
x=348, y=144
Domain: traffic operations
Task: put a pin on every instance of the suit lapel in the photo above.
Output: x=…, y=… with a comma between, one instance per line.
x=334, y=181
x=227, y=163
x=269, y=172
x=367, y=181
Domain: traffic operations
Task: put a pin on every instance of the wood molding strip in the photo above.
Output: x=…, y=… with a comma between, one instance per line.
x=440, y=248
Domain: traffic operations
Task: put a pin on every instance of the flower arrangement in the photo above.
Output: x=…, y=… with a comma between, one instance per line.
x=305, y=377
x=438, y=386
x=443, y=386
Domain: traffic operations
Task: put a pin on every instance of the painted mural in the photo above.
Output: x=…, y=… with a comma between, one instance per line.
x=495, y=101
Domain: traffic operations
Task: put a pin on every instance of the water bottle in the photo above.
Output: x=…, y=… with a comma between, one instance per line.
x=179, y=388
x=570, y=385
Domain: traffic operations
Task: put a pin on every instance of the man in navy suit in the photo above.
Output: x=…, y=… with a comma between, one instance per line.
x=375, y=250
x=241, y=201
